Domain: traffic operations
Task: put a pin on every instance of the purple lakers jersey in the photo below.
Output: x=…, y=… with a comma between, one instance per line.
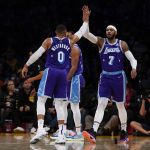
x=80, y=63
x=58, y=54
x=111, y=56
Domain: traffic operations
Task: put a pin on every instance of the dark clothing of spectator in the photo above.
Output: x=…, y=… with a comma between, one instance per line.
x=27, y=105
x=9, y=109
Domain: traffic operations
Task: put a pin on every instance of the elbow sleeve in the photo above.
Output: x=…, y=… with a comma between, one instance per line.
x=35, y=56
x=131, y=58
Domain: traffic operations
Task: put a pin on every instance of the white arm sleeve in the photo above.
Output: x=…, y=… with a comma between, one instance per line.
x=35, y=56
x=91, y=37
x=82, y=30
x=131, y=58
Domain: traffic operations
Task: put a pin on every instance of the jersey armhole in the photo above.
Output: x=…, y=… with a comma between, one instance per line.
x=101, y=49
x=69, y=41
x=51, y=40
x=120, y=46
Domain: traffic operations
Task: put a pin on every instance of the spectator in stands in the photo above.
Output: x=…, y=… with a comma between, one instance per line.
x=88, y=103
x=131, y=106
x=110, y=121
x=27, y=96
x=1, y=106
x=10, y=106
x=143, y=125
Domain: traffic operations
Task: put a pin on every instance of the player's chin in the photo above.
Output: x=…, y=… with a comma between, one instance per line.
x=109, y=36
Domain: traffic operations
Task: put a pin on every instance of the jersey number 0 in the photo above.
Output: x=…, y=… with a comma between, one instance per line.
x=61, y=57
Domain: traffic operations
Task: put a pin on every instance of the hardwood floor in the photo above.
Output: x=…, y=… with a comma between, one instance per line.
x=21, y=142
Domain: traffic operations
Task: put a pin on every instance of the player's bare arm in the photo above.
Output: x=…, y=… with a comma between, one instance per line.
x=88, y=35
x=124, y=46
x=35, y=78
x=75, y=54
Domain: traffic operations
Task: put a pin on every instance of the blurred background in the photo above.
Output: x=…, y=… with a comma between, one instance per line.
x=25, y=24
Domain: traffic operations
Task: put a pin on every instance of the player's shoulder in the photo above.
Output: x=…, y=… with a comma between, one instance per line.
x=100, y=41
x=47, y=43
x=48, y=40
x=123, y=43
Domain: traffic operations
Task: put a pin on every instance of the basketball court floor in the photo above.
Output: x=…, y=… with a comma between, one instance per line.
x=21, y=142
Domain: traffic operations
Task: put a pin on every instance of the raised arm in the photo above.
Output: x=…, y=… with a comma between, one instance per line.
x=88, y=35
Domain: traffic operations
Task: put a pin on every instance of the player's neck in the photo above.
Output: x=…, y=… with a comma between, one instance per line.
x=112, y=41
x=60, y=36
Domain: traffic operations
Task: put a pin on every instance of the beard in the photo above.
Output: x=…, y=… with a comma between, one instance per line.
x=111, y=37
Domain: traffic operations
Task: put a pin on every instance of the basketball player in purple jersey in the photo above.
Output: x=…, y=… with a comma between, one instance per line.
x=112, y=79
x=75, y=83
x=54, y=79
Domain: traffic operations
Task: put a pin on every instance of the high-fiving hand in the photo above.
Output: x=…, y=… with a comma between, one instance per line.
x=86, y=13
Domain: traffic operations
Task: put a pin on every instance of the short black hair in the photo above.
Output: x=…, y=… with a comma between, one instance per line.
x=61, y=28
